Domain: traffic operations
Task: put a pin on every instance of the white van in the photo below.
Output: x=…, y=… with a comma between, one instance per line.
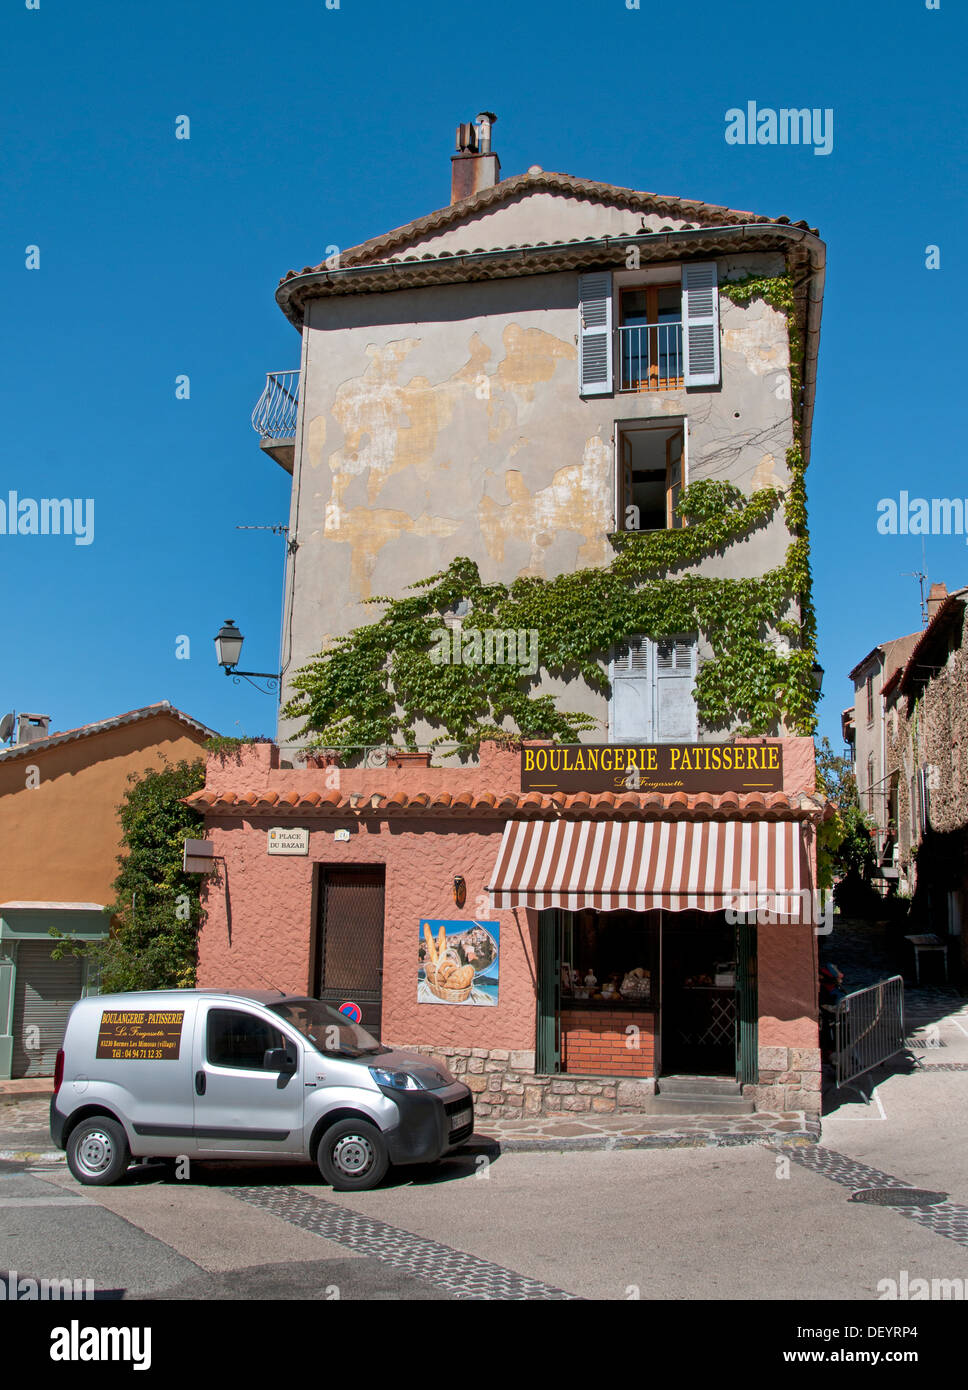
x=221, y=1074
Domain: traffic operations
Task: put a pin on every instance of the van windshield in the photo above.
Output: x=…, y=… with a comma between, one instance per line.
x=327, y=1029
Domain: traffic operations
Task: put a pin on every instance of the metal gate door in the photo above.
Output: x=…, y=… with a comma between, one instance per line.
x=747, y=1006
x=44, y=993
x=348, y=956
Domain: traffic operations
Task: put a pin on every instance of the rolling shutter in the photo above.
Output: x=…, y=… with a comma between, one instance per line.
x=700, y=318
x=44, y=993
x=595, y=334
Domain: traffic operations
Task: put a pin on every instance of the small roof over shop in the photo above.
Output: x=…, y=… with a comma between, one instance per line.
x=682, y=865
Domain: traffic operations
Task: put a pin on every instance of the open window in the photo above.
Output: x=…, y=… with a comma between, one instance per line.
x=650, y=468
x=650, y=333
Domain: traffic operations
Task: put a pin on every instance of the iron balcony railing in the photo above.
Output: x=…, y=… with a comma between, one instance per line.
x=650, y=357
x=274, y=416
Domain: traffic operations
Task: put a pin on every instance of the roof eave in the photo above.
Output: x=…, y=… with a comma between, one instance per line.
x=383, y=276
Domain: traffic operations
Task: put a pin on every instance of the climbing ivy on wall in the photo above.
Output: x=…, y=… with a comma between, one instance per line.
x=375, y=683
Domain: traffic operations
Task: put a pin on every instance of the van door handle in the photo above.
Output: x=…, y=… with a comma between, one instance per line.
x=200, y=1083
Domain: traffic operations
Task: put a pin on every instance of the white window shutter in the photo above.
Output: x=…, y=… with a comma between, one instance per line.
x=595, y=334
x=700, y=323
x=675, y=707
x=632, y=692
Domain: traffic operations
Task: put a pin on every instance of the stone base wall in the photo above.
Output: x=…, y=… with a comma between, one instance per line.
x=506, y=1087
x=789, y=1080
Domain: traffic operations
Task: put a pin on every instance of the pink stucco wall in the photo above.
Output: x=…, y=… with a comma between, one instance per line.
x=259, y=924
x=271, y=920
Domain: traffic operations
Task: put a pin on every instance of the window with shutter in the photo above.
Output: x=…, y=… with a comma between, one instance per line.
x=700, y=315
x=675, y=708
x=652, y=691
x=632, y=691
x=595, y=334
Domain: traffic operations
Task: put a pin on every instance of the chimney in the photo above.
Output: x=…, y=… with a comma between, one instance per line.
x=31, y=727
x=474, y=166
x=936, y=597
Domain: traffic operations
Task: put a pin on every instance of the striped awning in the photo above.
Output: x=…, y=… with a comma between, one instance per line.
x=679, y=865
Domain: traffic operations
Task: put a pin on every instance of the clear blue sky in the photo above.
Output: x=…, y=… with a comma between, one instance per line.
x=311, y=127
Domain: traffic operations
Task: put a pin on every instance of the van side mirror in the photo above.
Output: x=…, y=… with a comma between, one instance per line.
x=279, y=1059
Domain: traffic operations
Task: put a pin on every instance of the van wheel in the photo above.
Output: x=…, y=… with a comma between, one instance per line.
x=97, y=1151
x=353, y=1156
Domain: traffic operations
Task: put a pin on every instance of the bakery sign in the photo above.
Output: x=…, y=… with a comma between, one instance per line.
x=653, y=767
x=140, y=1035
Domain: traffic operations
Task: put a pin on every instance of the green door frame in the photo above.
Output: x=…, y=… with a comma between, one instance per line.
x=747, y=1005
x=547, y=1052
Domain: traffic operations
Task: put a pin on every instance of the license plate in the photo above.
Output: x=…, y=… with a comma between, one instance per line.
x=463, y=1117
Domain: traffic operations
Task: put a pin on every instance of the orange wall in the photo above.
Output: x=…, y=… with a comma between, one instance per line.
x=60, y=840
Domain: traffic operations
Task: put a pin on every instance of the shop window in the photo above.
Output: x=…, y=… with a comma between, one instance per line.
x=236, y=1039
x=649, y=479
x=653, y=685
x=610, y=956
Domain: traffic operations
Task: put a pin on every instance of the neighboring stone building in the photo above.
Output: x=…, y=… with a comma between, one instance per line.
x=59, y=827
x=926, y=704
x=865, y=732
x=529, y=379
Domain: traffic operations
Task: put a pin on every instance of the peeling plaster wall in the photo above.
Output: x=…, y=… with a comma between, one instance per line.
x=446, y=421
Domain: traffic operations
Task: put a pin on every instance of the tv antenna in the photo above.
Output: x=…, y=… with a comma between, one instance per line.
x=921, y=577
x=7, y=726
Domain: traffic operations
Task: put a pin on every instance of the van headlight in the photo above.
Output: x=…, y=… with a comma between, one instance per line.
x=396, y=1080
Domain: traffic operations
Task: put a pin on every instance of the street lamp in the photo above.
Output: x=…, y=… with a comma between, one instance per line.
x=816, y=676
x=228, y=650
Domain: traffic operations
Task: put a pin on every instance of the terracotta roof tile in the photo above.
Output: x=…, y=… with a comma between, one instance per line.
x=700, y=805
x=703, y=214
x=131, y=716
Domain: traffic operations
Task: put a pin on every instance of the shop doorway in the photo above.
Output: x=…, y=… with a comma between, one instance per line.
x=347, y=949
x=700, y=999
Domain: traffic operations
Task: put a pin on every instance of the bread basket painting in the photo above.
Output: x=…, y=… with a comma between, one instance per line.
x=457, y=962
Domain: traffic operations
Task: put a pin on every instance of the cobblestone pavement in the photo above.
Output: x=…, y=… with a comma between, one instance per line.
x=646, y=1131
x=461, y=1274
x=948, y=1219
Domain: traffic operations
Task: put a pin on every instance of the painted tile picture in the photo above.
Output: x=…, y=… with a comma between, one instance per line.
x=457, y=962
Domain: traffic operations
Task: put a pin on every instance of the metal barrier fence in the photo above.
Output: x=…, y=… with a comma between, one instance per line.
x=868, y=1028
